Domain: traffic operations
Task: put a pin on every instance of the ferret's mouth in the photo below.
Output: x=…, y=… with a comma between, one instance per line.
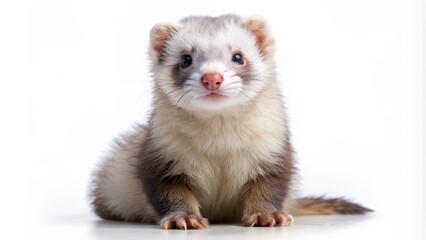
x=213, y=96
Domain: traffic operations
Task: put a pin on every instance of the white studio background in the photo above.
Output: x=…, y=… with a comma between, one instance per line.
x=74, y=74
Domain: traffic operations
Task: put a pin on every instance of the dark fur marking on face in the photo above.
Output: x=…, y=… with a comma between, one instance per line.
x=179, y=75
x=246, y=73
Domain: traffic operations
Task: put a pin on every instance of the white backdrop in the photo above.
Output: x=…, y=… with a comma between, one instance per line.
x=74, y=75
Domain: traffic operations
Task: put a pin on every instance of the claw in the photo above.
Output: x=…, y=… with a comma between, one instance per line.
x=181, y=223
x=268, y=219
x=167, y=224
x=181, y=220
x=290, y=220
x=204, y=222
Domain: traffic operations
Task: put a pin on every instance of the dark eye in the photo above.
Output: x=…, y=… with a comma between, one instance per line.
x=185, y=61
x=238, y=58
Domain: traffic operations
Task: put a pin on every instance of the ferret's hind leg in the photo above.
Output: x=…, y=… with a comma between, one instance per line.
x=116, y=191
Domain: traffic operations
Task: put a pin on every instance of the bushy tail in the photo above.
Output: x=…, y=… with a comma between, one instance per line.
x=327, y=206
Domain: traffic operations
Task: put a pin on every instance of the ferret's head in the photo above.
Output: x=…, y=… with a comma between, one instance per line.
x=212, y=64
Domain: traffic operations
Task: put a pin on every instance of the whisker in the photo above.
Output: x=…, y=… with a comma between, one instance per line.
x=189, y=100
x=192, y=46
x=186, y=92
x=177, y=108
x=229, y=69
x=167, y=94
x=165, y=84
x=171, y=66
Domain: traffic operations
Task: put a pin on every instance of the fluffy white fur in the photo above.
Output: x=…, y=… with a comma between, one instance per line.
x=116, y=184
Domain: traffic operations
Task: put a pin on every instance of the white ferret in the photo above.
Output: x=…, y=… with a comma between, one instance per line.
x=217, y=144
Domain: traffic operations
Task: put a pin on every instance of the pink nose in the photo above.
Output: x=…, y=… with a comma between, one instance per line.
x=212, y=81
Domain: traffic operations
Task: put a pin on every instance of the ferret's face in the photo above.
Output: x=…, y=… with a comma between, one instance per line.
x=212, y=64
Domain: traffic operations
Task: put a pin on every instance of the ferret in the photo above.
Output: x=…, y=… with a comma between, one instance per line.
x=216, y=147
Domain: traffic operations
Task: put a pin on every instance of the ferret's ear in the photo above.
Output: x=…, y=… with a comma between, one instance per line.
x=159, y=35
x=259, y=27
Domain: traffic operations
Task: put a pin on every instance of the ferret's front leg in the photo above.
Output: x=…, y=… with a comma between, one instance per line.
x=174, y=202
x=263, y=200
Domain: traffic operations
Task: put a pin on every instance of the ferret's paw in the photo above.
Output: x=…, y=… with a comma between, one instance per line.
x=268, y=219
x=181, y=220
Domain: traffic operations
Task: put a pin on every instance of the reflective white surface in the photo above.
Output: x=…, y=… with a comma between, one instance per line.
x=372, y=226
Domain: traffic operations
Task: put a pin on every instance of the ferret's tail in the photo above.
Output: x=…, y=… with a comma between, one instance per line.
x=327, y=206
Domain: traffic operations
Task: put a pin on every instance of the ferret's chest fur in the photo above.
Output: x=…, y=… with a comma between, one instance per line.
x=220, y=153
